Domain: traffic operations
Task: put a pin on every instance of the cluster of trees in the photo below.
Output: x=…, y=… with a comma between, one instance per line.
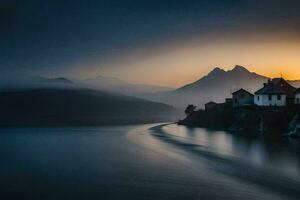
x=189, y=109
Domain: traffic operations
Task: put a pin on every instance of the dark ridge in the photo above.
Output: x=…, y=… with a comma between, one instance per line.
x=61, y=107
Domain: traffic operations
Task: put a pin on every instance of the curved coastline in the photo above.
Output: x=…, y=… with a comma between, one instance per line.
x=272, y=180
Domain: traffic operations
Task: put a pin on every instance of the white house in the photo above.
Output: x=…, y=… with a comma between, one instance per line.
x=297, y=96
x=276, y=92
x=268, y=99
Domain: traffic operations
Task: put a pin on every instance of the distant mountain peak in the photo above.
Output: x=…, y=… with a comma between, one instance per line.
x=107, y=77
x=239, y=68
x=59, y=80
x=216, y=70
x=116, y=85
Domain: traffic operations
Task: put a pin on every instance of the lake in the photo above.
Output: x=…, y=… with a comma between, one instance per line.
x=151, y=161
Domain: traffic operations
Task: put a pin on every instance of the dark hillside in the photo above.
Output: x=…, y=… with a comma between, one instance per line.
x=78, y=107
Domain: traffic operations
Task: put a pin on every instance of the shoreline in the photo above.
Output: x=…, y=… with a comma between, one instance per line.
x=231, y=165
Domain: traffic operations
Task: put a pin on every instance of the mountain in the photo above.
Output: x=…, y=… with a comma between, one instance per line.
x=122, y=87
x=295, y=83
x=59, y=80
x=102, y=83
x=28, y=82
x=75, y=107
x=221, y=82
x=215, y=86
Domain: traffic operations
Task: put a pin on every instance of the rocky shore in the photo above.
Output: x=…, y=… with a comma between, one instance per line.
x=266, y=121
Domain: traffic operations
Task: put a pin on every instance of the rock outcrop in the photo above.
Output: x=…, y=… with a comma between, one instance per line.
x=267, y=121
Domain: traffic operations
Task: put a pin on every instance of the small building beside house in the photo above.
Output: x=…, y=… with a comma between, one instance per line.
x=210, y=105
x=242, y=97
x=297, y=96
x=276, y=92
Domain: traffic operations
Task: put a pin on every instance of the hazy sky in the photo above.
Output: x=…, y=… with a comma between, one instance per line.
x=158, y=42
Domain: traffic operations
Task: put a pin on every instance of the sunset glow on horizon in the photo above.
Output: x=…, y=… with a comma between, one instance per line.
x=168, y=43
x=178, y=64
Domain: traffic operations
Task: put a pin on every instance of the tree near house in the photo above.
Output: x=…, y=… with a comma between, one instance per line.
x=189, y=109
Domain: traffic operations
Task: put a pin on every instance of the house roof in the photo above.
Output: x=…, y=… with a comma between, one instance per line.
x=276, y=80
x=271, y=89
x=277, y=86
x=241, y=91
x=211, y=103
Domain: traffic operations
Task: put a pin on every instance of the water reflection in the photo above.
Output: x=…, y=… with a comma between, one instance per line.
x=143, y=162
x=281, y=155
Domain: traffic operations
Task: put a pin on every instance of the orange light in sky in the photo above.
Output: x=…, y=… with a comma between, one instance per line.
x=183, y=62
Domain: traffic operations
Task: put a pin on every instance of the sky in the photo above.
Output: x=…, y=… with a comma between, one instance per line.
x=167, y=43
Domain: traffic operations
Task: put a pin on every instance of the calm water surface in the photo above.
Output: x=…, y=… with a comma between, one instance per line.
x=145, y=162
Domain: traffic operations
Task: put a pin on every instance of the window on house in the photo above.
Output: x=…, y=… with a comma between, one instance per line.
x=298, y=100
x=270, y=97
x=279, y=97
x=235, y=100
x=257, y=98
x=242, y=96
